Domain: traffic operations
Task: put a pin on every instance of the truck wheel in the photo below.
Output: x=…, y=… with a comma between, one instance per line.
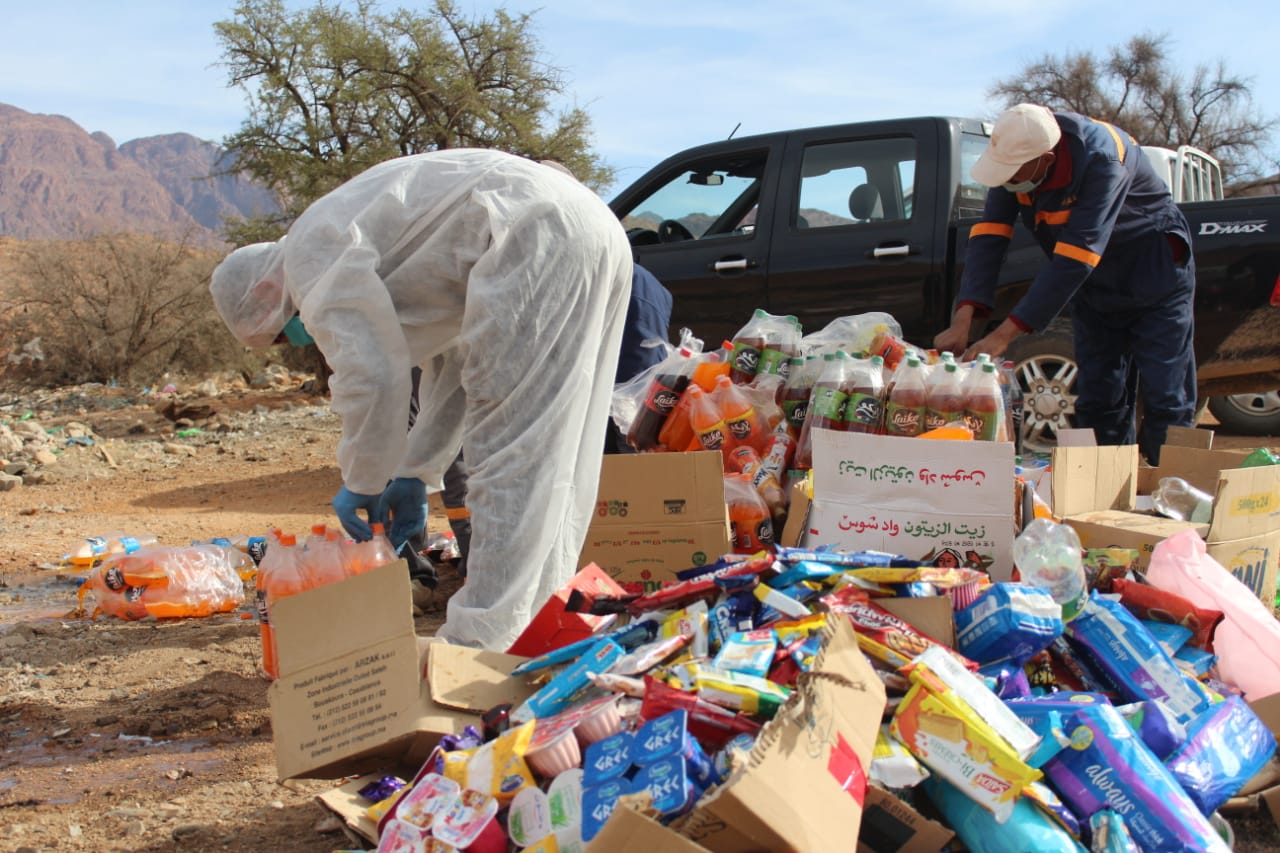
x=1046, y=368
x=1248, y=414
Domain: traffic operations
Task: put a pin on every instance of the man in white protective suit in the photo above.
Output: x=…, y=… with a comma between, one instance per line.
x=507, y=283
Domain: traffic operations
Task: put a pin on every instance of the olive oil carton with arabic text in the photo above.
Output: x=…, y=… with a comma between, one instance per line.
x=947, y=503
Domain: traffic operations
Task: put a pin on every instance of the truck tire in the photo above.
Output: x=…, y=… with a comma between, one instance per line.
x=1046, y=368
x=1248, y=414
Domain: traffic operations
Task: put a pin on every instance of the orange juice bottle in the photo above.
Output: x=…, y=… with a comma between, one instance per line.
x=279, y=576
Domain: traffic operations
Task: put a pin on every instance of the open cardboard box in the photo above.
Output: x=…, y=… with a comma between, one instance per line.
x=914, y=497
x=352, y=697
x=657, y=514
x=1095, y=490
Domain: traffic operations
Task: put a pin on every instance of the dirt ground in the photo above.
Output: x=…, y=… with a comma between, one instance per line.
x=156, y=735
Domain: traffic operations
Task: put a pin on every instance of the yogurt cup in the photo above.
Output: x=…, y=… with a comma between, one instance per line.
x=564, y=801
x=555, y=754
x=600, y=719
x=471, y=824
x=529, y=818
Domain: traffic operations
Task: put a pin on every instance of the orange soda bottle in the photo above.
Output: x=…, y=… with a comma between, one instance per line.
x=366, y=556
x=708, y=424
x=322, y=560
x=279, y=576
x=677, y=430
x=749, y=519
x=746, y=461
x=711, y=366
x=745, y=426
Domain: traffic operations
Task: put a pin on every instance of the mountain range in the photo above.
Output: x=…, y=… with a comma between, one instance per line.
x=59, y=181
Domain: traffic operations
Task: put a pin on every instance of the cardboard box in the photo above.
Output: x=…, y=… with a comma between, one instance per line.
x=351, y=697
x=914, y=497
x=553, y=626
x=1096, y=489
x=630, y=829
x=658, y=514
x=805, y=781
x=890, y=825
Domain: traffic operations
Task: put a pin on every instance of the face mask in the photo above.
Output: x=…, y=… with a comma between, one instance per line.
x=1029, y=186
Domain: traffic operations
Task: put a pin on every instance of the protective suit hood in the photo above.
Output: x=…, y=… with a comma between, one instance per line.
x=248, y=291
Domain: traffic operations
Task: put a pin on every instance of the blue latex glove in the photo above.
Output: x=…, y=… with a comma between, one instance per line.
x=347, y=504
x=405, y=502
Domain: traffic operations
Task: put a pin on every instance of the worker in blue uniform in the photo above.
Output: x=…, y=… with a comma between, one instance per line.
x=1119, y=253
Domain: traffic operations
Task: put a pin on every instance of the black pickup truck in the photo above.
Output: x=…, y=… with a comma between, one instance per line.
x=830, y=221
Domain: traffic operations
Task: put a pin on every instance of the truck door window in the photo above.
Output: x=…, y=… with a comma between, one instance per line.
x=971, y=195
x=856, y=182
x=716, y=198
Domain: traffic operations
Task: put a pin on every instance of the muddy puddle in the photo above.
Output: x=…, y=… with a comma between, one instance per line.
x=37, y=594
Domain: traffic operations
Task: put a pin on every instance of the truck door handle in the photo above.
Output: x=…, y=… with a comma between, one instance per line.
x=731, y=265
x=891, y=251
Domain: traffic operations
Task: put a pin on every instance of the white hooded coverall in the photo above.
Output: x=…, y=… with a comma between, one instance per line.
x=507, y=282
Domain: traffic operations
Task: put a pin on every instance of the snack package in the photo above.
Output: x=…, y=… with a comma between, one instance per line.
x=1225, y=747
x=559, y=693
x=1103, y=566
x=749, y=652
x=1120, y=646
x=1107, y=766
x=1158, y=605
x=893, y=765
x=958, y=745
x=733, y=690
x=497, y=768
x=1026, y=827
x=882, y=636
x=1010, y=622
x=731, y=614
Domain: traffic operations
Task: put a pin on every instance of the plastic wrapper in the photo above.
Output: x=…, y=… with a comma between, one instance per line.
x=1103, y=566
x=1108, y=834
x=736, y=691
x=497, y=768
x=1160, y=605
x=1225, y=747
x=1156, y=726
x=893, y=765
x=1107, y=766
x=1009, y=681
x=749, y=652
x=711, y=724
x=1120, y=646
x=852, y=333
x=1170, y=637
x=167, y=582
x=640, y=406
x=1027, y=828
x=882, y=636
x=1010, y=622
x=733, y=613
x=1196, y=661
x=1247, y=642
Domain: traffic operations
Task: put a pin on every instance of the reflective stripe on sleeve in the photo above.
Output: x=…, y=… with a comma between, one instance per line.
x=1076, y=253
x=991, y=229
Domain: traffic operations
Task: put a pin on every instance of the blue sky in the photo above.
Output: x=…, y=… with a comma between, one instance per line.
x=656, y=77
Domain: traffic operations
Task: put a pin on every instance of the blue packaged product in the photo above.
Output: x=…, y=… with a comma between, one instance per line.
x=558, y=693
x=1198, y=661
x=738, y=744
x=670, y=783
x=845, y=559
x=1108, y=766
x=607, y=759
x=1125, y=650
x=1225, y=747
x=1008, y=680
x=1171, y=637
x=734, y=613
x=1156, y=727
x=633, y=635
x=667, y=736
x=803, y=570
x=748, y=651
x=1108, y=834
x=1028, y=828
x=1051, y=804
x=1009, y=621
x=598, y=802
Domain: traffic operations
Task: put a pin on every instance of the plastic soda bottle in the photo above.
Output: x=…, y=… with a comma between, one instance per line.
x=712, y=365
x=1174, y=497
x=749, y=518
x=864, y=407
x=668, y=383
x=279, y=575
x=322, y=557
x=984, y=410
x=944, y=401
x=377, y=551
x=1260, y=458
x=745, y=427
x=94, y=548
x=1048, y=555
x=746, y=461
x=748, y=344
x=782, y=342
x=677, y=431
x=826, y=404
x=708, y=424
x=905, y=410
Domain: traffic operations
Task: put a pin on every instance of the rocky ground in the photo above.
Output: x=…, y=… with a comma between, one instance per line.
x=151, y=735
x=156, y=735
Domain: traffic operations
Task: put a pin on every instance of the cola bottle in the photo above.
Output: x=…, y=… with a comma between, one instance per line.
x=748, y=344
x=826, y=404
x=905, y=408
x=797, y=391
x=782, y=342
x=865, y=384
x=668, y=383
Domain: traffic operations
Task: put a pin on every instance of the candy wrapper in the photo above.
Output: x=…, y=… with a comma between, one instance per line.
x=1120, y=646
x=733, y=690
x=1007, y=680
x=882, y=636
x=1026, y=828
x=1158, y=605
x=559, y=693
x=1009, y=622
x=1107, y=766
x=497, y=768
x=1225, y=747
x=1103, y=566
x=749, y=652
x=733, y=613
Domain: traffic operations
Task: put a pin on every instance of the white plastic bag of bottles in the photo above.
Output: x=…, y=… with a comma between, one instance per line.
x=167, y=582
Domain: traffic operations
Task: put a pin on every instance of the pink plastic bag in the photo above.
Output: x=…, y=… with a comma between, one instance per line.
x=1247, y=640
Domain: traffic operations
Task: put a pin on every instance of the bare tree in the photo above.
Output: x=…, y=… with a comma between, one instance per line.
x=1136, y=88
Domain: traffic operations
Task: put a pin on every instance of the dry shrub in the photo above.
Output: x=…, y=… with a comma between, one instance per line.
x=114, y=307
